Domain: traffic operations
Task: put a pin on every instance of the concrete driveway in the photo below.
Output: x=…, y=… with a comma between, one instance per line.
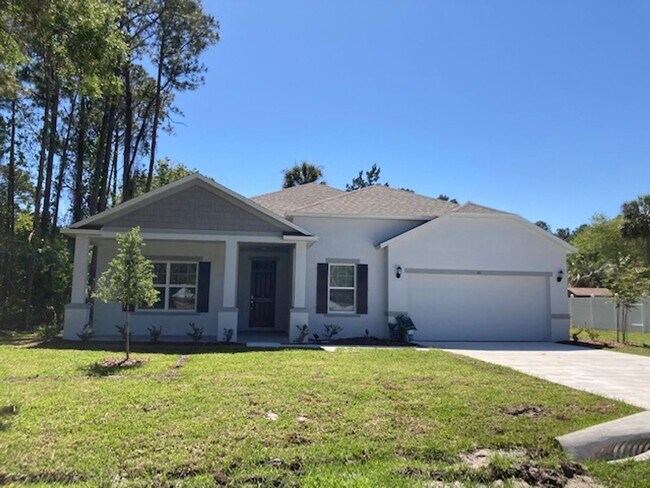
x=610, y=374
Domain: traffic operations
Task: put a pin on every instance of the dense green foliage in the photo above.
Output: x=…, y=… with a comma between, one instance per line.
x=85, y=88
x=355, y=417
x=302, y=173
x=600, y=244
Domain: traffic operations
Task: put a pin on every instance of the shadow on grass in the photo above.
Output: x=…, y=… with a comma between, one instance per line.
x=6, y=414
x=160, y=348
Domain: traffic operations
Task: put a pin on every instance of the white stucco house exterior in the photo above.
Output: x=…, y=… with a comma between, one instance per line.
x=316, y=255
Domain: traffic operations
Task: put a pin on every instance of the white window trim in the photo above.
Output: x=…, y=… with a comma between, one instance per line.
x=353, y=288
x=167, y=285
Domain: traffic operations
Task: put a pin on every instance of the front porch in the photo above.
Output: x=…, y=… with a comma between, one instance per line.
x=255, y=286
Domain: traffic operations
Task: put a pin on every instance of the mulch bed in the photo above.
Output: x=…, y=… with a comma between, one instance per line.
x=121, y=362
x=367, y=341
x=601, y=344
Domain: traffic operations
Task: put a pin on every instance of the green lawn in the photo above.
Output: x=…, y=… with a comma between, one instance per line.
x=354, y=417
x=638, y=342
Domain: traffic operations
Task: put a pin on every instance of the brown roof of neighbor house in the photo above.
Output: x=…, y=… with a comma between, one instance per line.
x=289, y=199
x=587, y=292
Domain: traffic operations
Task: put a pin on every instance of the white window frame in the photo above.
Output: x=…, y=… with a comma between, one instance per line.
x=167, y=285
x=353, y=288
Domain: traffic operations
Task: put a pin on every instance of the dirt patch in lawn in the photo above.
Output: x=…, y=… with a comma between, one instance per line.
x=111, y=366
x=531, y=411
x=517, y=466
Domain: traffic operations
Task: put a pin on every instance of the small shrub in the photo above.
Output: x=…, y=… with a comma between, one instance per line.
x=575, y=335
x=316, y=337
x=87, y=332
x=402, y=328
x=47, y=332
x=303, y=332
x=197, y=332
x=593, y=334
x=331, y=330
x=227, y=335
x=367, y=334
x=122, y=330
x=154, y=334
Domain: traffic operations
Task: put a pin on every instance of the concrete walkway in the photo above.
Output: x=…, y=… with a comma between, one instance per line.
x=616, y=375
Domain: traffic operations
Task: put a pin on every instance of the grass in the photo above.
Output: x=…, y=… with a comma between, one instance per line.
x=355, y=417
x=638, y=342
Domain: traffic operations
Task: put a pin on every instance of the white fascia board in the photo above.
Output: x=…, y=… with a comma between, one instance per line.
x=196, y=237
x=289, y=238
x=454, y=215
x=68, y=231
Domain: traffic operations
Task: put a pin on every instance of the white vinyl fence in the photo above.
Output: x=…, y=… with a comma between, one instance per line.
x=600, y=313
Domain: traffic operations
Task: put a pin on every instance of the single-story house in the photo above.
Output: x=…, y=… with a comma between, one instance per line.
x=316, y=255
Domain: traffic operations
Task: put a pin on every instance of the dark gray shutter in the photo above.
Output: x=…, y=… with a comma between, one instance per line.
x=321, y=288
x=203, y=293
x=362, y=289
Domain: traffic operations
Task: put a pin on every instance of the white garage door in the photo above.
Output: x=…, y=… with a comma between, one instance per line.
x=457, y=307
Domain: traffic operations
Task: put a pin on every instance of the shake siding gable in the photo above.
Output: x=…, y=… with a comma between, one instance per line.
x=195, y=208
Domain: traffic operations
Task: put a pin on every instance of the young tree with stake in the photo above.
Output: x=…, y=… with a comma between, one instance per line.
x=129, y=279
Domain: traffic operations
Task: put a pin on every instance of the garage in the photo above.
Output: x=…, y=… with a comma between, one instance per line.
x=479, y=306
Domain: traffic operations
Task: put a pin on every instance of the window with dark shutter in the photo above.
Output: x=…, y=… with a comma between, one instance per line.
x=321, y=288
x=203, y=294
x=362, y=289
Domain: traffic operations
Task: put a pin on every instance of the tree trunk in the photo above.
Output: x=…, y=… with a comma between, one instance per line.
x=11, y=202
x=104, y=182
x=77, y=198
x=98, y=170
x=42, y=154
x=127, y=190
x=63, y=163
x=51, y=150
x=11, y=177
x=113, y=178
x=127, y=339
x=156, y=112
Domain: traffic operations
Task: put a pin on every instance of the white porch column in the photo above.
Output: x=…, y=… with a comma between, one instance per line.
x=228, y=315
x=231, y=257
x=77, y=313
x=299, y=314
x=299, y=274
x=80, y=269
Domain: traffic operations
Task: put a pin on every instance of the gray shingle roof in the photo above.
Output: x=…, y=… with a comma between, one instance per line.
x=378, y=201
x=287, y=200
x=471, y=207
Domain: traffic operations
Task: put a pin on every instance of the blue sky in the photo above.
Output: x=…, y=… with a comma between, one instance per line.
x=535, y=107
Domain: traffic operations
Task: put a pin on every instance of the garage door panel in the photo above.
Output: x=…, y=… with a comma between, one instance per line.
x=451, y=307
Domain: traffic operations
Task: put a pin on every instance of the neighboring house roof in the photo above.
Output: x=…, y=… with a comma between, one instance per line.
x=290, y=199
x=577, y=291
x=377, y=201
x=195, y=179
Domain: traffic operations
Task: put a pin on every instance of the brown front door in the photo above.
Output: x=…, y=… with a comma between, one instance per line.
x=262, y=299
